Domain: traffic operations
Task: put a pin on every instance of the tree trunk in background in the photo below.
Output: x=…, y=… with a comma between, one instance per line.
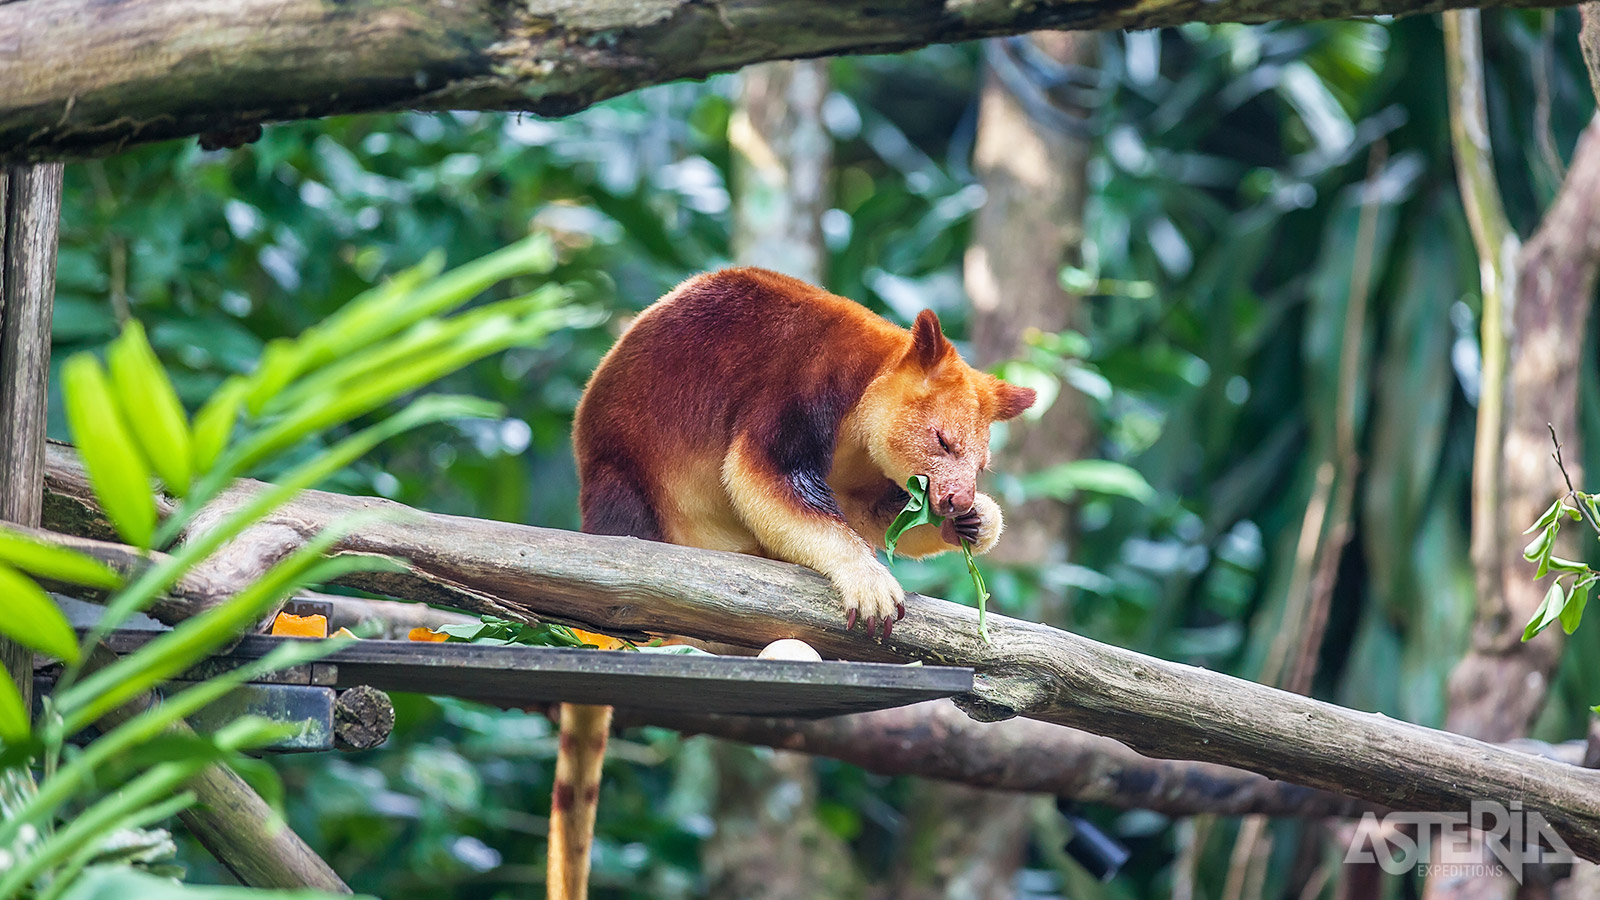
x=782, y=156
x=962, y=843
x=1031, y=223
x=1499, y=687
x=30, y=206
x=769, y=843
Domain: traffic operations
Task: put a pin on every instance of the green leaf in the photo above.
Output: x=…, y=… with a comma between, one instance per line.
x=1540, y=546
x=1100, y=476
x=365, y=396
x=1557, y=564
x=1545, y=518
x=389, y=309
x=13, y=718
x=46, y=560
x=423, y=340
x=116, y=467
x=94, y=824
x=1549, y=610
x=983, y=592
x=115, y=848
x=250, y=732
x=281, y=361
x=422, y=411
x=260, y=775
x=32, y=618
x=194, y=639
x=917, y=511
x=152, y=409
x=495, y=629
x=1572, y=613
x=213, y=425
x=56, y=791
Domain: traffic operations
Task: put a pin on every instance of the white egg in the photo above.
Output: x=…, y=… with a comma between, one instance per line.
x=790, y=648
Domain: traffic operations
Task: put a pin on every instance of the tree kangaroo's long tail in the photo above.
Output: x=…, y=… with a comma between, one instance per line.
x=575, y=798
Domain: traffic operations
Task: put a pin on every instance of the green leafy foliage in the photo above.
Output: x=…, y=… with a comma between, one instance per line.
x=497, y=631
x=918, y=511
x=153, y=412
x=117, y=469
x=1562, y=603
x=32, y=618
x=131, y=778
x=47, y=560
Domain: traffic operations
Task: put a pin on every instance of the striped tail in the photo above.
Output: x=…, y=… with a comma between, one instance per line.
x=575, y=798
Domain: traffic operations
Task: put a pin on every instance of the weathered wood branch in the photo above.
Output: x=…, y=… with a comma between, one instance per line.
x=936, y=740
x=930, y=740
x=75, y=80
x=1158, y=708
x=203, y=588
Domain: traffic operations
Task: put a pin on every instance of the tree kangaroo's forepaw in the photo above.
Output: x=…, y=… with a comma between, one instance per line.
x=871, y=595
x=979, y=526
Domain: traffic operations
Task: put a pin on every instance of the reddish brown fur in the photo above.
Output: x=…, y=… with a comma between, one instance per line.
x=754, y=359
x=753, y=412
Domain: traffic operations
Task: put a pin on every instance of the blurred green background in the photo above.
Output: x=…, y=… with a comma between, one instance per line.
x=1225, y=172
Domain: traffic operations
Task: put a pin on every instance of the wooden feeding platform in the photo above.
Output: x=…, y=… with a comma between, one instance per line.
x=517, y=676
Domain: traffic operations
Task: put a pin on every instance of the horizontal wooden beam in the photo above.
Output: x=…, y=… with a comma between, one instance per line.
x=80, y=78
x=1159, y=708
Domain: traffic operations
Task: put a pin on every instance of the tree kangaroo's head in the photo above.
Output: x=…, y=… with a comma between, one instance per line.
x=929, y=414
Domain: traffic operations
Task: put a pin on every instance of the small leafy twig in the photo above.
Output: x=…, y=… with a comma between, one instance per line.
x=918, y=511
x=1583, y=508
x=1561, y=603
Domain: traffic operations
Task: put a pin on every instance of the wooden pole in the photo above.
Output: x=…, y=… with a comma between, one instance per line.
x=30, y=205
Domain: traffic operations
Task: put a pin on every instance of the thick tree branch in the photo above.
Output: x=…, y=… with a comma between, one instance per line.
x=76, y=80
x=1159, y=708
x=202, y=588
x=936, y=740
x=930, y=740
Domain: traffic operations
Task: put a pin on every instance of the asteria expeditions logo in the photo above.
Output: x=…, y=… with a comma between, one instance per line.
x=1512, y=838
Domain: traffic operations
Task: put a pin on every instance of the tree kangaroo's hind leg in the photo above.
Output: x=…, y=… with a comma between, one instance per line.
x=793, y=513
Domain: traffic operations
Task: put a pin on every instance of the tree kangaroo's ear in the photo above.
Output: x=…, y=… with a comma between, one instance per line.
x=1011, y=400
x=928, y=343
